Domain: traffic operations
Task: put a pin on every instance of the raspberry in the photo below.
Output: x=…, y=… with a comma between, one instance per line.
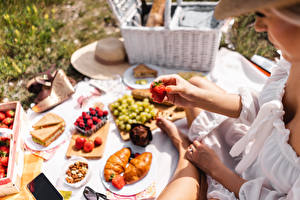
x=93, y=112
x=95, y=119
x=105, y=112
x=91, y=109
x=100, y=113
x=89, y=122
x=99, y=121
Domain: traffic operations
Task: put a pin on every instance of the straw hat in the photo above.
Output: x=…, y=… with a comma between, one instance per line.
x=102, y=59
x=232, y=8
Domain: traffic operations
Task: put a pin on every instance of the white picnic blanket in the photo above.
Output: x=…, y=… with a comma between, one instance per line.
x=231, y=71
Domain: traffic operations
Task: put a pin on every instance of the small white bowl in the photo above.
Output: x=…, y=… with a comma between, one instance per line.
x=71, y=161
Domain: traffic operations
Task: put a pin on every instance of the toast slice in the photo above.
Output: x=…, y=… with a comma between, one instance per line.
x=143, y=71
x=49, y=119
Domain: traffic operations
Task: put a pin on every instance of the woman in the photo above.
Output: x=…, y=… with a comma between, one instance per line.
x=269, y=167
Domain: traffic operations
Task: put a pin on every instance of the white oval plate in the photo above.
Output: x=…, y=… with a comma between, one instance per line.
x=139, y=186
x=129, y=78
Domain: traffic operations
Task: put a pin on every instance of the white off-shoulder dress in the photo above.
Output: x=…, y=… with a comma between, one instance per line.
x=255, y=145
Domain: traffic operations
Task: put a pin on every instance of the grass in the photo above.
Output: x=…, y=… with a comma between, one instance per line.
x=36, y=34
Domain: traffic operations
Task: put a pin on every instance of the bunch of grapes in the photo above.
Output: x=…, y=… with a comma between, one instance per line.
x=128, y=111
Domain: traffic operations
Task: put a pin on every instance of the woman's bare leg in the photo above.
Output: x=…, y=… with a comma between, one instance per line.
x=186, y=180
x=192, y=113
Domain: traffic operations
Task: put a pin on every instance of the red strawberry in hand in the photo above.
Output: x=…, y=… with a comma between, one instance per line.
x=7, y=121
x=158, y=90
x=118, y=182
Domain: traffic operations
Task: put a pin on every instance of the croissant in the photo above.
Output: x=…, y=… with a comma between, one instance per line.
x=138, y=168
x=116, y=163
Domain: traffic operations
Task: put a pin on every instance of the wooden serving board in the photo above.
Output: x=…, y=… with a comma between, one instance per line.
x=169, y=112
x=97, y=151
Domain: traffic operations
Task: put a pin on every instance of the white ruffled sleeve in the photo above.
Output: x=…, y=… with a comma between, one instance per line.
x=250, y=105
x=255, y=189
x=204, y=123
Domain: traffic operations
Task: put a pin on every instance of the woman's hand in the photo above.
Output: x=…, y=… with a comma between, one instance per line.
x=179, y=91
x=204, y=158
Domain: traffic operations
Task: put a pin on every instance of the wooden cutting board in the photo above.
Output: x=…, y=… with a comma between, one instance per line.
x=97, y=151
x=171, y=113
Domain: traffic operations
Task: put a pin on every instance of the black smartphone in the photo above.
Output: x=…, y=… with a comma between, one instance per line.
x=42, y=189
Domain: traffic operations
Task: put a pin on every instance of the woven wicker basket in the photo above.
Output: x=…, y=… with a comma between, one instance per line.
x=172, y=45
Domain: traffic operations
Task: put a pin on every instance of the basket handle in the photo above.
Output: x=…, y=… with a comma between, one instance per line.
x=167, y=13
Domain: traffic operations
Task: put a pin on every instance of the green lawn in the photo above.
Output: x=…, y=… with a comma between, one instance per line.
x=36, y=34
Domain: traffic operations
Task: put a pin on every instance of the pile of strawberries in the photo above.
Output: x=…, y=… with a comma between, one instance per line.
x=7, y=119
x=91, y=121
x=87, y=145
x=4, y=156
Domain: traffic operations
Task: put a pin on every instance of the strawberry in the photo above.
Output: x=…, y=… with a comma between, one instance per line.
x=105, y=112
x=3, y=125
x=88, y=146
x=158, y=90
x=10, y=113
x=79, y=142
x=98, y=141
x=2, y=116
x=2, y=171
x=136, y=155
x=4, y=149
x=118, y=182
x=4, y=161
x=11, y=126
x=8, y=121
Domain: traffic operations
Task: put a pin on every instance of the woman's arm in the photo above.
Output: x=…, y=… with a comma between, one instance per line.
x=182, y=93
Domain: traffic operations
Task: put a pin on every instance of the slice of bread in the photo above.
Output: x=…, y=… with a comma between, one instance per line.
x=49, y=119
x=143, y=71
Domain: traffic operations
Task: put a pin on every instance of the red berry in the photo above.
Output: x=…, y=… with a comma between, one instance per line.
x=11, y=126
x=136, y=155
x=100, y=113
x=95, y=119
x=158, y=90
x=8, y=121
x=118, y=182
x=88, y=146
x=84, y=114
x=97, y=109
x=10, y=113
x=98, y=141
x=89, y=122
x=79, y=142
x=93, y=112
x=80, y=117
x=91, y=109
x=93, y=126
x=81, y=124
x=99, y=121
x=4, y=161
x=105, y=112
x=3, y=125
x=2, y=116
x=4, y=149
x=76, y=123
x=88, y=117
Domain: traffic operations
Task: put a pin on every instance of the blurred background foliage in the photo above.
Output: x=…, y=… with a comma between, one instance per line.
x=35, y=34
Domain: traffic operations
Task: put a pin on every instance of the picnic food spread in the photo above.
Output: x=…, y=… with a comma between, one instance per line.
x=47, y=129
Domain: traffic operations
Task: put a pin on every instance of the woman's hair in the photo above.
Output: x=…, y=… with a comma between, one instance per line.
x=290, y=14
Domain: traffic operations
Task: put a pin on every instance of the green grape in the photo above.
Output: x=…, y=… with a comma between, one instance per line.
x=143, y=114
x=126, y=118
x=134, y=121
x=117, y=121
x=139, y=103
x=149, y=116
x=147, y=110
x=116, y=112
x=152, y=106
x=133, y=115
x=140, y=108
x=122, y=126
x=153, y=113
x=138, y=118
x=143, y=119
x=128, y=127
x=130, y=121
x=146, y=100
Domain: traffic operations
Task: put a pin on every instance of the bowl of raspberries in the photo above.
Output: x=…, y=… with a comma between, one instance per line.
x=91, y=121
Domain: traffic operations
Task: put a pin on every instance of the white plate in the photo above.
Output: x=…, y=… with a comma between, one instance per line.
x=139, y=186
x=129, y=78
x=34, y=146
